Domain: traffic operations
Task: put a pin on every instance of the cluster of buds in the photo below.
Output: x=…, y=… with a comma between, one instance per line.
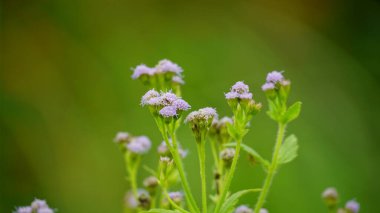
x=134, y=144
x=164, y=106
x=165, y=75
x=330, y=197
x=37, y=206
x=227, y=155
x=243, y=106
x=200, y=122
x=219, y=130
x=246, y=209
x=276, y=89
x=142, y=201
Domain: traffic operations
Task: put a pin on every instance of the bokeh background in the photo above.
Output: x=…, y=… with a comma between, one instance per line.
x=66, y=90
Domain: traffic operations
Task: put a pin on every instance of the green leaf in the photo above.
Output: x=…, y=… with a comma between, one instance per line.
x=292, y=113
x=288, y=150
x=161, y=211
x=230, y=203
x=252, y=152
x=150, y=170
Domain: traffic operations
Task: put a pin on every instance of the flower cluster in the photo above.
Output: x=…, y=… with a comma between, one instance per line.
x=164, y=75
x=164, y=104
x=330, y=197
x=134, y=144
x=37, y=206
x=200, y=122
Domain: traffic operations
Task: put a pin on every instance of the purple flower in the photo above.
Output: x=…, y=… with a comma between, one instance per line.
x=352, y=206
x=240, y=87
x=146, y=99
x=177, y=79
x=168, y=98
x=203, y=114
x=142, y=70
x=262, y=210
x=267, y=86
x=208, y=112
x=121, y=137
x=275, y=77
x=239, y=91
x=330, y=193
x=232, y=95
x=181, y=105
x=168, y=111
x=243, y=209
x=25, y=209
x=168, y=66
x=37, y=203
x=139, y=145
x=45, y=210
x=177, y=197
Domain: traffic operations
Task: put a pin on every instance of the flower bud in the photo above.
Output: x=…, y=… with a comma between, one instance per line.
x=352, y=206
x=330, y=196
x=227, y=156
x=200, y=122
x=150, y=182
x=243, y=209
x=176, y=197
x=144, y=200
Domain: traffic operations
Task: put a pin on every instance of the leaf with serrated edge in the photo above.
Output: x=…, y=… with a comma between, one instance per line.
x=288, y=150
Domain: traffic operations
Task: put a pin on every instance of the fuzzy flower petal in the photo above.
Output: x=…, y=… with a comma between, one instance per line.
x=166, y=65
x=181, y=105
x=240, y=87
x=145, y=100
x=275, y=77
x=45, y=210
x=25, y=209
x=232, y=95
x=177, y=79
x=353, y=206
x=142, y=70
x=168, y=111
x=268, y=86
x=139, y=145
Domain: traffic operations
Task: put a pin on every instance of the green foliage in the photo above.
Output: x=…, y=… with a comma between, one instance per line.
x=161, y=211
x=289, y=149
x=230, y=203
x=252, y=152
x=292, y=112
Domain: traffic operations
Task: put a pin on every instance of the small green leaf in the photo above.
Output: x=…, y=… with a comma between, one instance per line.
x=288, y=150
x=292, y=113
x=230, y=203
x=252, y=152
x=160, y=211
x=150, y=170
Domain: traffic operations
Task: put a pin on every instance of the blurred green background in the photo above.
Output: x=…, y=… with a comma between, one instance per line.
x=66, y=90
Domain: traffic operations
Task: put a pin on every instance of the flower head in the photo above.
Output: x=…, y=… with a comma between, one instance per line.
x=178, y=79
x=147, y=98
x=168, y=111
x=150, y=182
x=352, y=206
x=275, y=77
x=37, y=203
x=121, y=137
x=166, y=65
x=239, y=91
x=227, y=155
x=45, y=210
x=25, y=209
x=243, y=209
x=142, y=70
x=139, y=145
x=180, y=104
x=177, y=197
x=268, y=86
x=330, y=193
x=262, y=210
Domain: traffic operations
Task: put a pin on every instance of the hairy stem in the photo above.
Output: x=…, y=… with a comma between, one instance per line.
x=230, y=175
x=177, y=160
x=202, y=166
x=272, y=167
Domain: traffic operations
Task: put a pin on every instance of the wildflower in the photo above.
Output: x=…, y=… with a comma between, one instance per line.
x=121, y=137
x=330, y=196
x=142, y=70
x=139, y=145
x=166, y=65
x=268, y=86
x=227, y=156
x=200, y=122
x=168, y=111
x=144, y=199
x=37, y=203
x=178, y=80
x=181, y=105
x=168, y=98
x=151, y=182
x=176, y=197
x=239, y=91
x=25, y=209
x=352, y=206
x=275, y=77
x=243, y=209
x=45, y=210
x=218, y=130
x=262, y=210
x=147, y=98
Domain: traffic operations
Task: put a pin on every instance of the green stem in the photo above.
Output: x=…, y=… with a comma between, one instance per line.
x=202, y=166
x=230, y=175
x=132, y=172
x=177, y=160
x=272, y=167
